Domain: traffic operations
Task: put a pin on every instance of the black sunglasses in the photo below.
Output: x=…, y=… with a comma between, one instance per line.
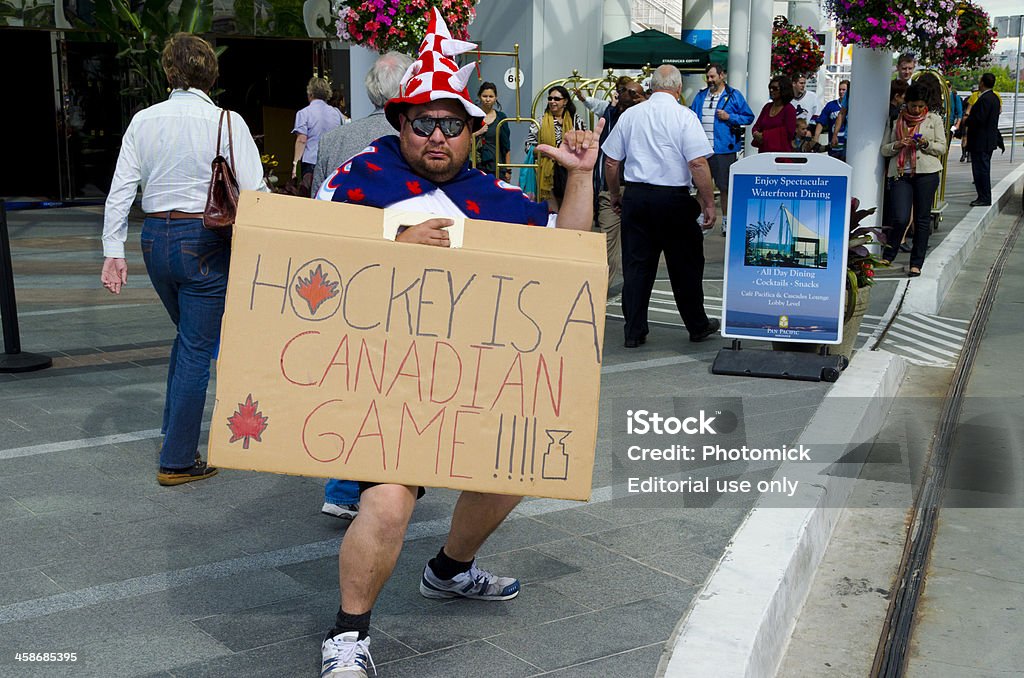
x=450, y=127
x=556, y=98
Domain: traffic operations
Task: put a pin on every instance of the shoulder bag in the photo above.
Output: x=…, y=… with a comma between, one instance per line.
x=222, y=196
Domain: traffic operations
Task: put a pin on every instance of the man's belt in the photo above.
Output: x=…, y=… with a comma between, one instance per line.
x=655, y=187
x=174, y=214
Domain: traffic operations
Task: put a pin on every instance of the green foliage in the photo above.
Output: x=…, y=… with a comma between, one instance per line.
x=965, y=80
x=277, y=18
x=140, y=37
x=37, y=15
x=286, y=19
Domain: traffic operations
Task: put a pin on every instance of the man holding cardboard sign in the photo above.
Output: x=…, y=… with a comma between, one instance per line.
x=426, y=170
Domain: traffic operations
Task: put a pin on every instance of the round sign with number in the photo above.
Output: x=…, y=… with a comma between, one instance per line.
x=510, y=78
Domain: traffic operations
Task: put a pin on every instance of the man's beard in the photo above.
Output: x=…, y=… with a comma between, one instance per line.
x=437, y=171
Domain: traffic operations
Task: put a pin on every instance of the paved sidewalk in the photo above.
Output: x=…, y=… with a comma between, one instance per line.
x=970, y=615
x=966, y=618
x=237, y=575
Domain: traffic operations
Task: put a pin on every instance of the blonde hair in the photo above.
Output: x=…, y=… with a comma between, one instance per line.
x=318, y=88
x=189, y=62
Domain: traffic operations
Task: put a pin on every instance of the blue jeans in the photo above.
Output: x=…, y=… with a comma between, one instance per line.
x=341, y=492
x=188, y=267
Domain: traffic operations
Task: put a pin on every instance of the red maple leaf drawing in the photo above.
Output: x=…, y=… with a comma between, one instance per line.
x=247, y=422
x=356, y=194
x=316, y=289
x=472, y=207
x=414, y=187
x=375, y=168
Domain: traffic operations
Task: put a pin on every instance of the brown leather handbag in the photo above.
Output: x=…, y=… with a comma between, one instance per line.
x=222, y=196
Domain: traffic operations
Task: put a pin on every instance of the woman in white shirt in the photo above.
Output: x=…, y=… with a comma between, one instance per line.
x=167, y=150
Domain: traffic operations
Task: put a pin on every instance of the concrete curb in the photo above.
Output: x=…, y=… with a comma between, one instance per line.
x=927, y=292
x=742, y=619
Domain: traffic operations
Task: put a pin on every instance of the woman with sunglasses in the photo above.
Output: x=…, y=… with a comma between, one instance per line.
x=559, y=117
x=775, y=127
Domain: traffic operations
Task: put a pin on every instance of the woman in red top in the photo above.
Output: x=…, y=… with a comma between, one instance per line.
x=775, y=127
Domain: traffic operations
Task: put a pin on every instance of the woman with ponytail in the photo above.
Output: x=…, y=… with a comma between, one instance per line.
x=916, y=143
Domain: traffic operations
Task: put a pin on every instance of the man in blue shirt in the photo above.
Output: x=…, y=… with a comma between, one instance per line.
x=722, y=111
x=827, y=120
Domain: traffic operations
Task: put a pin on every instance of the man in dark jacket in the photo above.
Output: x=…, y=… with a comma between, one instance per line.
x=983, y=137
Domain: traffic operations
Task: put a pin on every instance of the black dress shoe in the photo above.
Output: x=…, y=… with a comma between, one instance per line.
x=633, y=343
x=980, y=203
x=713, y=326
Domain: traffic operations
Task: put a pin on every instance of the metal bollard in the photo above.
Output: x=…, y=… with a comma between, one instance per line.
x=13, y=359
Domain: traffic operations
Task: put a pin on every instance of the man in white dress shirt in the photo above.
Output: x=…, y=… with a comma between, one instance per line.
x=664, y=150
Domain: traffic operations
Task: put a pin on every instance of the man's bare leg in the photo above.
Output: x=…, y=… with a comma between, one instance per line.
x=372, y=544
x=476, y=516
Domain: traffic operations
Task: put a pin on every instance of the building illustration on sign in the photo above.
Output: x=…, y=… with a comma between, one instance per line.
x=775, y=236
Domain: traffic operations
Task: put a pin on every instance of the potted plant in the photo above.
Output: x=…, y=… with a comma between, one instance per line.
x=975, y=39
x=927, y=29
x=861, y=259
x=399, y=25
x=863, y=255
x=794, y=49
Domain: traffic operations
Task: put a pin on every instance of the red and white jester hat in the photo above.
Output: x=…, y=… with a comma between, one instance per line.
x=435, y=76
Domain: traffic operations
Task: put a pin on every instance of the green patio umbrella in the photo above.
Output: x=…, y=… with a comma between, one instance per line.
x=654, y=48
x=719, y=54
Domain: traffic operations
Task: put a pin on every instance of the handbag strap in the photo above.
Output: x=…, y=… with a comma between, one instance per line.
x=220, y=125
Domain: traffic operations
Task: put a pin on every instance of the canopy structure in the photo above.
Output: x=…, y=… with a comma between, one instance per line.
x=719, y=55
x=654, y=48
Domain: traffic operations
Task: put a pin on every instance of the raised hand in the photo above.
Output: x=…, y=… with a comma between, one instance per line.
x=578, y=150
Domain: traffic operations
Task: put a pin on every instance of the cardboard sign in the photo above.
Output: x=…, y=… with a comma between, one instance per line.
x=346, y=355
x=785, y=272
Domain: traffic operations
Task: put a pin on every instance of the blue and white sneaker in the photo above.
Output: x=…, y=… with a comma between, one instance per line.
x=345, y=656
x=474, y=583
x=342, y=511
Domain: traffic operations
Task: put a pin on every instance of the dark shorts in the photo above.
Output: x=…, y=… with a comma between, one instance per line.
x=720, y=164
x=363, y=486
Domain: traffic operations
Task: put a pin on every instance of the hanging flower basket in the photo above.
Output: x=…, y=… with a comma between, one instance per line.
x=795, y=50
x=399, y=25
x=926, y=29
x=975, y=39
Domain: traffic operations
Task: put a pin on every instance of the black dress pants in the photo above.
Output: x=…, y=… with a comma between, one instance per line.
x=912, y=193
x=656, y=220
x=981, y=168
